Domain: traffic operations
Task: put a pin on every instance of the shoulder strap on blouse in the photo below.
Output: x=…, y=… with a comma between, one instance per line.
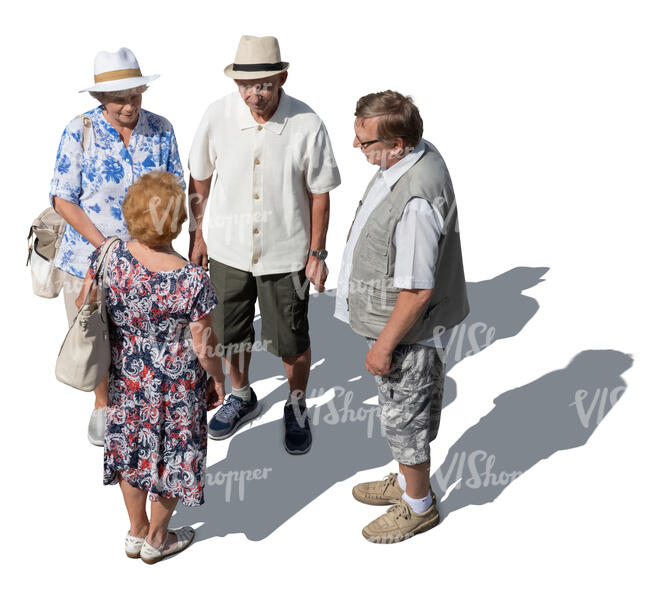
x=87, y=126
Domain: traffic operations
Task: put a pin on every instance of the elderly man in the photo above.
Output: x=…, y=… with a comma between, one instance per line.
x=274, y=169
x=402, y=286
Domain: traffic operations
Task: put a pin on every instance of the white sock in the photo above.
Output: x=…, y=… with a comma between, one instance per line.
x=244, y=393
x=418, y=505
x=401, y=480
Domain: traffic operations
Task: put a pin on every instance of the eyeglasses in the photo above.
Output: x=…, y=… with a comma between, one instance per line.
x=365, y=144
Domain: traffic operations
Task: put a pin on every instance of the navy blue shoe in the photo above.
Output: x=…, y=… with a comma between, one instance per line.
x=297, y=435
x=231, y=415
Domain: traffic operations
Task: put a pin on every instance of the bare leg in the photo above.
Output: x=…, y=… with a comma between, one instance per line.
x=237, y=367
x=297, y=369
x=161, y=513
x=417, y=479
x=135, y=500
x=101, y=394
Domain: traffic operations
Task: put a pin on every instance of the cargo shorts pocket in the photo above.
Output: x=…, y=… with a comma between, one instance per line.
x=299, y=305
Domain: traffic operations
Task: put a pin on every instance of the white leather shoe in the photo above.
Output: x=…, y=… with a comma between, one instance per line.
x=150, y=554
x=97, y=427
x=132, y=545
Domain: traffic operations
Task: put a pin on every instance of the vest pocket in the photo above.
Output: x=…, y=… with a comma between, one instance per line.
x=375, y=253
x=377, y=302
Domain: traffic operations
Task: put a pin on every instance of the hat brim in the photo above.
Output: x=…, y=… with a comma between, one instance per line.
x=239, y=75
x=124, y=84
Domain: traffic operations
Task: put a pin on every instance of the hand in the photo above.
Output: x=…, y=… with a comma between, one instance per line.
x=317, y=272
x=216, y=392
x=379, y=360
x=198, y=250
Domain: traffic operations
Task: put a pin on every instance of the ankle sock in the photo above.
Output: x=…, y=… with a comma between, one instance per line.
x=401, y=480
x=418, y=505
x=244, y=393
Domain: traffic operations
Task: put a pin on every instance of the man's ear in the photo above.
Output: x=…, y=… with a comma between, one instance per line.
x=399, y=147
x=283, y=78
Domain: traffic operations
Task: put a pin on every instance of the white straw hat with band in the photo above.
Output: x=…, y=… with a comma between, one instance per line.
x=256, y=57
x=117, y=71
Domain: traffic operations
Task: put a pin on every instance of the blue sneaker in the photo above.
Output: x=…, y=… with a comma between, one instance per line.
x=297, y=434
x=231, y=415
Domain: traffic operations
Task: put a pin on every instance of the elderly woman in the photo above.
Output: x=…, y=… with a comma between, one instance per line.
x=162, y=345
x=100, y=155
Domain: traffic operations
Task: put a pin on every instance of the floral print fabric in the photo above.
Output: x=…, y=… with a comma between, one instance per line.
x=98, y=177
x=156, y=432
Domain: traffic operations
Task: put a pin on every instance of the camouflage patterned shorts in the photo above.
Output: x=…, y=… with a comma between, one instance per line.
x=410, y=399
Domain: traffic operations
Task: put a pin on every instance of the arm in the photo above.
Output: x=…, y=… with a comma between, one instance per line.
x=88, y=281
x=199, y=192
x=319, y=209
x=205, y=344
x=65, y=189
x=75, y=216
x=416, y=243
x=409, y=306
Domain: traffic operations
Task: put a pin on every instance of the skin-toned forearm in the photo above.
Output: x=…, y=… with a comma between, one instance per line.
x=199, y=192
x=206, y=344
x=77, y=218
x=409, y=306
x=319, y=208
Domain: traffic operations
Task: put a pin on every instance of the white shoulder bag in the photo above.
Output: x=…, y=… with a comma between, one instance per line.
x=44, y=238
x=85, y=355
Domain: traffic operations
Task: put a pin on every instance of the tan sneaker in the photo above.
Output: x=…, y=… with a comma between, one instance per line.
x=400, y=523
x=381, y=493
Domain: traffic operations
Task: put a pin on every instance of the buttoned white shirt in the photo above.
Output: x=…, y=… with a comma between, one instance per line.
x=259, y=210
x=415, y=239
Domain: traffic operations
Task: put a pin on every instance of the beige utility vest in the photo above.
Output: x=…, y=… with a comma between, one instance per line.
x=372, y=295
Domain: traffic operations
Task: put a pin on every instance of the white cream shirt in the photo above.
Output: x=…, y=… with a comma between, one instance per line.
x=259, y=210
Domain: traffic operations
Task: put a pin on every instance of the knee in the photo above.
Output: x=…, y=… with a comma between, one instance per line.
x=293, y=359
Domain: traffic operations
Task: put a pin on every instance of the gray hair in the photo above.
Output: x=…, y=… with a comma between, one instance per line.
x=105, y=96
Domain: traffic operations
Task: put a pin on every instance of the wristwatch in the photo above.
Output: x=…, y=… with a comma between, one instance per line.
x=320, y=254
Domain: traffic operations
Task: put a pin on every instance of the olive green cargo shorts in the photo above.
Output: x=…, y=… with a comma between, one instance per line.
x=284, y=302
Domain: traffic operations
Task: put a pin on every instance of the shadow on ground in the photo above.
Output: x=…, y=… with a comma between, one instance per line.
x=258, y=486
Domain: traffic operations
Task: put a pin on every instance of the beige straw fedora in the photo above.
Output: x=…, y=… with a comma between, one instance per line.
x=256, y=57
x=118, y=70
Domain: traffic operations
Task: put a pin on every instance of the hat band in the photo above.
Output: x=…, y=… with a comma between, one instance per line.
x=277, y=66
x=117, y=75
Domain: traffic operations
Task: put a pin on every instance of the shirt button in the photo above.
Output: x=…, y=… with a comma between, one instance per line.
x=255, y=260
x=259, y=128
x=256, y=196
x=256, y=231
x=257, y=162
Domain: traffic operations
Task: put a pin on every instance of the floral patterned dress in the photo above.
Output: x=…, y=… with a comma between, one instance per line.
x=156, y=431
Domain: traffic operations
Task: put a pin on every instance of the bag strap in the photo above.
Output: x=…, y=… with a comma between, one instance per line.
x=101, y=259
x=87, y=126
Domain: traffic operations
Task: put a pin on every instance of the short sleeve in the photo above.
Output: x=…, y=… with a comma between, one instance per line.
x=202, y=152
x=321, y=173
x=93, y=259
x=416, y=246
x=174, y=161
x=204, y=299
x=66, y=180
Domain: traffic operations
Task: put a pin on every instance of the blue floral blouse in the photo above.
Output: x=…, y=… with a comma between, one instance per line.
x=97, y=179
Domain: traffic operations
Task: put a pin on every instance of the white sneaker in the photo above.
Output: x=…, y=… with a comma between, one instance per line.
x=97, y=427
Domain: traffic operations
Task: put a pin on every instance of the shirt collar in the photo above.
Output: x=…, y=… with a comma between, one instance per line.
x=391, y=175
x=276, y=123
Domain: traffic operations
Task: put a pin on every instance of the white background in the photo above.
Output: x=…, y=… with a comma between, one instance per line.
x=541, y=112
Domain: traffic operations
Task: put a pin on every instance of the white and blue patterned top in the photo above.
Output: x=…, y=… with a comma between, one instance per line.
x=97, y=179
